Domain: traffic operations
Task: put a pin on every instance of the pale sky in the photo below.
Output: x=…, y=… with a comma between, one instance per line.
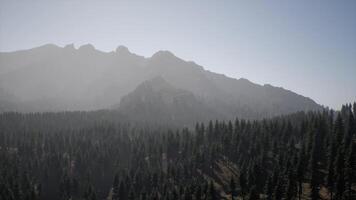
x=305, y=46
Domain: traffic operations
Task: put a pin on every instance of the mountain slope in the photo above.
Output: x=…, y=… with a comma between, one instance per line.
x=52, y=78
x=156, y=100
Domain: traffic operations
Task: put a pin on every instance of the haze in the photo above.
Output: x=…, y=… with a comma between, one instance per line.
x=307, y=47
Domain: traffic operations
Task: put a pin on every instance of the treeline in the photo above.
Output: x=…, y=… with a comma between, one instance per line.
x=92, y=156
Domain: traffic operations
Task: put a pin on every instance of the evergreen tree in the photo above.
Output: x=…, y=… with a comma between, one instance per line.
x=198, y=193
x=243, y=185
x=232, y=188
x=90, y=193
x=115, y=188
x=212, y=191
x=254, y=195
x=269, y=188
x=279, y=192
x=340, y=170
x=52, y=156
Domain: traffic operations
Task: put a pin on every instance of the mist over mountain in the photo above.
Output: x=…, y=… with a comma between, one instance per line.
x=52, y=78
x=156, y=100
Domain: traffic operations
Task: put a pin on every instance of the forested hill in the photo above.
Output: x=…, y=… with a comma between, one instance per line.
x=80, y=156
x=52, y=78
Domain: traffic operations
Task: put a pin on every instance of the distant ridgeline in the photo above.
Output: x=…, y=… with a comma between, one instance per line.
x=51, y=78
x=95, y=155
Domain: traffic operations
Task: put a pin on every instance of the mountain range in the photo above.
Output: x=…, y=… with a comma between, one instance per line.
x=160, y=87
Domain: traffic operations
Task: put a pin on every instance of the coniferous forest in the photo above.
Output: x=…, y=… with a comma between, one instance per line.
x=95, y=155
x=177, y=100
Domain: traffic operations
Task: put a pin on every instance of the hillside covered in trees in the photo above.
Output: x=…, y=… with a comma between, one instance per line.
x=95, y=156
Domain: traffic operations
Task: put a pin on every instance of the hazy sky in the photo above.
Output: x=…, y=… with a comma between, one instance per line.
x=305, y=46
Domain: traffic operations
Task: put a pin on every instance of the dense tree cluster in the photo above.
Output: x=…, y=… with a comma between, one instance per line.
x=87, y=156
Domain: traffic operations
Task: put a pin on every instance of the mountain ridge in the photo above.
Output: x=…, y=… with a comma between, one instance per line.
x=85, y=78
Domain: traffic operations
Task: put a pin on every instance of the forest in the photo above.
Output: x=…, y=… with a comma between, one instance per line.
x=96, y=156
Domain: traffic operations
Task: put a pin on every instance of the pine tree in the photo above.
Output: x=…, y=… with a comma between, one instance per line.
x=212, y=191
x=292, y=185
x=354, y=110
x=65, y=188
x=301, y=170
x=254, y=195
x=340, y=181
x=243, y=184
x=131, y=195
x=232, y=188
x=351, y=174
x=279, y=192
x=269, y=188
x=331, y=177
x=90, y=193
x=351, y=131
x=198, y=193
x=339, y=130
x=115, y=188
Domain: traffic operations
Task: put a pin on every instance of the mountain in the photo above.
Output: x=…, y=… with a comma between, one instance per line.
x=53, y=78
x=156, y=100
